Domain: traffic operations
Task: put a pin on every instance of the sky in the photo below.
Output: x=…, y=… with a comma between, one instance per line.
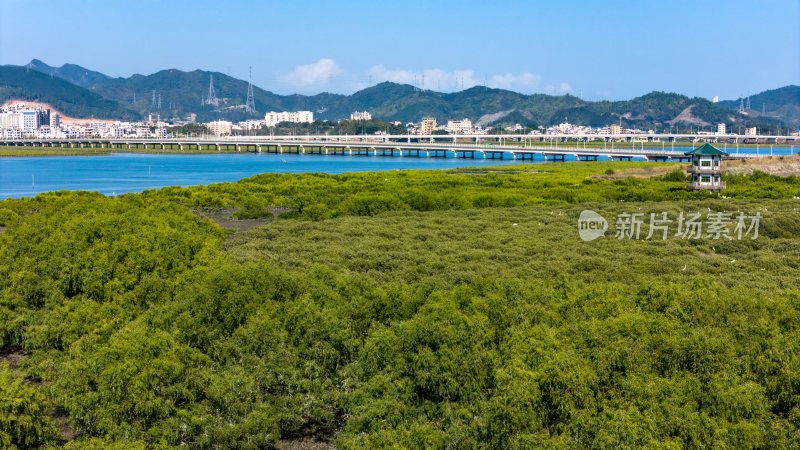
x=593, y=49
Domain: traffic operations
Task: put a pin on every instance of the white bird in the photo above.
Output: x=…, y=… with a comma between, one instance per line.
x=515, y=224
x=684, y=267
x=551, y=213
x=559, y=213
x=713, y=249
x=733, y=261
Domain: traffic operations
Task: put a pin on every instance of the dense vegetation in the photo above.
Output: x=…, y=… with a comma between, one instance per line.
x=400, y=309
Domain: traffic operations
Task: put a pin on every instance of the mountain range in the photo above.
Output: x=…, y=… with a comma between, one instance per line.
x=80, y=92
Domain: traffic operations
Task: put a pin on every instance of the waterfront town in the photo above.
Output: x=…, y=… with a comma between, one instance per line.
x=24, y=120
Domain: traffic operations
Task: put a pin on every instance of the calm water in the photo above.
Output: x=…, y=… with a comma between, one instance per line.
x=128, y=172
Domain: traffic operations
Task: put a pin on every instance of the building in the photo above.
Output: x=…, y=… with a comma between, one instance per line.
x=715, y=99
x=220, y=127
x=361, y=115
x=54, y=121
x=721, y=129
x=23, y=117
x=706, y=169
x=615, y=129
x=751, y=131
x=248, y=125
x=459, y=126
x=428, y=126
x=273, y=118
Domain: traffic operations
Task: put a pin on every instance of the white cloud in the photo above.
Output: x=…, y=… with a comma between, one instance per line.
x=312, y=74
x=560, y=89
x=442, y=80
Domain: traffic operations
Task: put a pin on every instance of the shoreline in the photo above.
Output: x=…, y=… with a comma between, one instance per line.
x=26, y=152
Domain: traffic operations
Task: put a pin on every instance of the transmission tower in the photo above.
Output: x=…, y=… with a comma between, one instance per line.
x=211, y=98
x=153, y=102
x=250, y=105
x=748, y=102
x=741, y=105
x=159, y=101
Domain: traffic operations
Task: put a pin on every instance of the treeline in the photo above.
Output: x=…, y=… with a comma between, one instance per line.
x=350, y=127
x=475, y=323
x=322, y=196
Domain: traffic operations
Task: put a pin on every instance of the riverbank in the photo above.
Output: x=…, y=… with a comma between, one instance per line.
x=6, y=151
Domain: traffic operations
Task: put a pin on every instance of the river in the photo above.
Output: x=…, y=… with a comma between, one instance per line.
x=119, y=173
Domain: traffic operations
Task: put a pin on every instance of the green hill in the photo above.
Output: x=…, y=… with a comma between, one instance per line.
x=73, y=73
x=660, y=111
x=782, y=104
x=19, y=83
x=182, y=93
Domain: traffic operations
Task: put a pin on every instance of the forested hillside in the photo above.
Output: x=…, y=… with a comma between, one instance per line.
x=19, y=83
x=73, y=73
x=182, y=93
x=782, y=104
x=407, y=309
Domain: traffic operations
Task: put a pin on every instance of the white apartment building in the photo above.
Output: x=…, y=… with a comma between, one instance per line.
x=23, y=117
x=361, y=115
x=273, y=118
x=615, y=129
x=220, y=127
x=721, y=129
x=751, y=131
x=251, y=124
x=459, y=126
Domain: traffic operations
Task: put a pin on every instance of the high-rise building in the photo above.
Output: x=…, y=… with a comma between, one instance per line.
x=751, y=131
x=428, y=126
x=23, y=117
x=615, y=129
x=721, y=128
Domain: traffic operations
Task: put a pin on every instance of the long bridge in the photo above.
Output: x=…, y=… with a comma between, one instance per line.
x=550, y=147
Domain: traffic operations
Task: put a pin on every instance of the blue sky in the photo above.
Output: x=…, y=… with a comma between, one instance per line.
x=594, y=49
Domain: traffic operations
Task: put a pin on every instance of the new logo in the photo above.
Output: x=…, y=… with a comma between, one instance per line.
x=591, y=225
